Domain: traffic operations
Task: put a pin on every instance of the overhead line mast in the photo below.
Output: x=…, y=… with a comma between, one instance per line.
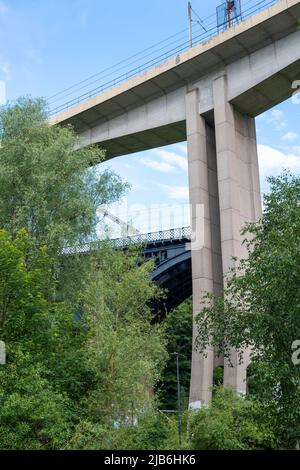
x=190, y=23
x=199, y=21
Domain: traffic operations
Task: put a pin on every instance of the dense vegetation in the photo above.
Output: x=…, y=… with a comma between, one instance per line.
x=178, y=331
x=84, y=357
x=261, y=310
x=67, y=382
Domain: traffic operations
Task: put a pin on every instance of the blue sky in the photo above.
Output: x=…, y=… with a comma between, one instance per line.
x=48, y=45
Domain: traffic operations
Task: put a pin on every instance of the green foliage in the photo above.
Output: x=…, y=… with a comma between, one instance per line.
x=88, y=384
x=67, y=376
x=34, y=412
x=230, y=423
x=64, y=374
x=262, y=308
x=46, y=186
x=218, y=376
x=149, y=432
x=126, y=351
x=178, y=330
x=33, y=415
x=27, y=293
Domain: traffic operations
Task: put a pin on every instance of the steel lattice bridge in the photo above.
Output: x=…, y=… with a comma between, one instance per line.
x=170, y=249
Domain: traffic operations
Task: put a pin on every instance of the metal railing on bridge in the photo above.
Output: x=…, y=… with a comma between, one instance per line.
x=174, y=234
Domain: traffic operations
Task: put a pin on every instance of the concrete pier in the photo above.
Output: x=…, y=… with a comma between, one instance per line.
x=224, y=179
x=239, y=195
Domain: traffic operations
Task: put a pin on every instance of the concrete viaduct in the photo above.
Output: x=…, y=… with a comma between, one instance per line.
x=209, y=96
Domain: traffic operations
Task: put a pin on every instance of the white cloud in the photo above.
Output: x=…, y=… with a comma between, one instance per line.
x=34, y=55
x=176, y=192
x=166, y=161
x=83, y=18
x=180, y=148
x=290, y=136
x=5, y=70
x=3, y=8
x=277, y=118
x=281, y=125
x=161, y=166
x=261, y=117
x=296, y=149
x=276, y=115
x=272, y=161
x=2, y=93
x=173, y=159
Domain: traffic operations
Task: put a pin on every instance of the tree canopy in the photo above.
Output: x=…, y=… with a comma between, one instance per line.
x=261, y=309
x=84, y=355
x=49, y=185
x=81, y=350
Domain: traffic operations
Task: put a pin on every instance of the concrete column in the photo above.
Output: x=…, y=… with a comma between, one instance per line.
x=239, y=195
x=202, y=261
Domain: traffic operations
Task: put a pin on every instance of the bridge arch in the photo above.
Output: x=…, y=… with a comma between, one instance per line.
x=175, y=275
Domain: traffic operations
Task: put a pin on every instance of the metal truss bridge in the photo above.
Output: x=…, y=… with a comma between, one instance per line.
x=171, y=252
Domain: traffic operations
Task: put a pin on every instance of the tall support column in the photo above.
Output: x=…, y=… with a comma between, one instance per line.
x=239, y=195
x=202, y=263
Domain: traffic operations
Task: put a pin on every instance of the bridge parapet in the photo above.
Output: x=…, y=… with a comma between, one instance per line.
x=174, y=234
x=156, y=238
x=172, y=256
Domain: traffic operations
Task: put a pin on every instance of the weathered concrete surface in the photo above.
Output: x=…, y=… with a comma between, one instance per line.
x=260, y=56
x=224, y=179
x=239, y=195
x=202, y=188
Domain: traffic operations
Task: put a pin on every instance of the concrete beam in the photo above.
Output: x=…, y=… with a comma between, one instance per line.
x=255, y=83
x=260, y=57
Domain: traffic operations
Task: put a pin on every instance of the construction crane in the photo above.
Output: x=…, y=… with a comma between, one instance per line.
x=129, y=229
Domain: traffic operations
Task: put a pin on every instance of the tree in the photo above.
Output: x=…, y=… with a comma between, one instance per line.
x=67, y=375
x=48, y=187
x=35, y=413
x=178, y=331
x=261, y=309
x=230, y=423
x=151, y=431
x=52, y=188
x=126, y=351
